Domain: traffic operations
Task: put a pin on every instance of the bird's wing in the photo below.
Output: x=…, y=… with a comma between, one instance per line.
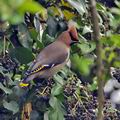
x=38, y=69
x=39, y=66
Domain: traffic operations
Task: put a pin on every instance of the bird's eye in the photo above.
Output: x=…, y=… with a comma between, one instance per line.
x=113, y=72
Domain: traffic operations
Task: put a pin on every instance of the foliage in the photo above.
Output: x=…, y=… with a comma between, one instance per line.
x=14, y=10
x=26, y=27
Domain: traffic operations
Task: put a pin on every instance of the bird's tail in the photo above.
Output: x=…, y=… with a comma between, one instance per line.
x=22, y=84
x=25, y=81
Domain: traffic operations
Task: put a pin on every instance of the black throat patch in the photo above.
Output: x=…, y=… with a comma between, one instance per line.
x=72, y=38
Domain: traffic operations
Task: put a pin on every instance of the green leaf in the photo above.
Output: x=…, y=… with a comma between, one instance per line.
x=56, y=112
x=1, y=46
x=24, y=37
x=113, y=40
x=16, y=18
x=12, y=106
x=14, y=10
x=5, y=89
x=87, y=47
x=52, y=26
x=81, y=64
x=18, y=91
x=23, y=55
x=34, y=115
x=93, y=86
x=39, y=44
x=100, y=7
x=79, y=5
x=53, y=115
x=106, y=40
x=116, y=11
x=46, y=39
x=117, y=3
x=116, y=63
x=111, y=57
x=86, y=29
x=53, y=102
x=57, y=89
x=33, y=33
x=31, y=6
x=115, y=20
x=59, y=79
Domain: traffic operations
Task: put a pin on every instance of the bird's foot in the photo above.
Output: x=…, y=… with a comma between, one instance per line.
x=43, y=91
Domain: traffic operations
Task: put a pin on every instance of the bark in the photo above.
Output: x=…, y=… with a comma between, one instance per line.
x=27, y=109
x=96, y=33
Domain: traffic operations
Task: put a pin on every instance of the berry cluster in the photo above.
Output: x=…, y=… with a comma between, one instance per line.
x=8, y=63
x=81, y=104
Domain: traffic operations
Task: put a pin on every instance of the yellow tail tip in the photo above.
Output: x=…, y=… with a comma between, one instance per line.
x=23, y=84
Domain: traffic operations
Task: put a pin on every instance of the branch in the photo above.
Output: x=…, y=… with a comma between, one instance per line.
x=96, y=31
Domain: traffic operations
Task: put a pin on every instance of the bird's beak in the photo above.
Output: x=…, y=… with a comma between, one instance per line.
x=75, y=42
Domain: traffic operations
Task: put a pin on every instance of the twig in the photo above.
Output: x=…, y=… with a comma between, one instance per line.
x=96, y=31
x=4, y=46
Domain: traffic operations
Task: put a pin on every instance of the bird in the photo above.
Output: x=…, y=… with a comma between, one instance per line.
x=114, y=82
x=115, y=73
x=53, y=57
x=112, y=87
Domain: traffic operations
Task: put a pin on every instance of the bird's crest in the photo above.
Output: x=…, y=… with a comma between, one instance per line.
x=72, y=30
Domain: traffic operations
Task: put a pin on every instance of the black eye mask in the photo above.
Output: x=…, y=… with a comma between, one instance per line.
x=72, y=38
x=116, y=74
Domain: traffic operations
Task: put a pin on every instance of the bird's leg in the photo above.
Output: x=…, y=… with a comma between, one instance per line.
x=43, y=91
x=46, y=88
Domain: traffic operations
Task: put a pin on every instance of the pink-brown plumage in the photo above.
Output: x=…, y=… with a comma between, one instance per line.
x=53, y=57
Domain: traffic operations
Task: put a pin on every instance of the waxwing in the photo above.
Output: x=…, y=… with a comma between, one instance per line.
x=52, y=58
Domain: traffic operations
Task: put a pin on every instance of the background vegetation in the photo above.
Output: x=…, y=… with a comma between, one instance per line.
x=26, y=27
